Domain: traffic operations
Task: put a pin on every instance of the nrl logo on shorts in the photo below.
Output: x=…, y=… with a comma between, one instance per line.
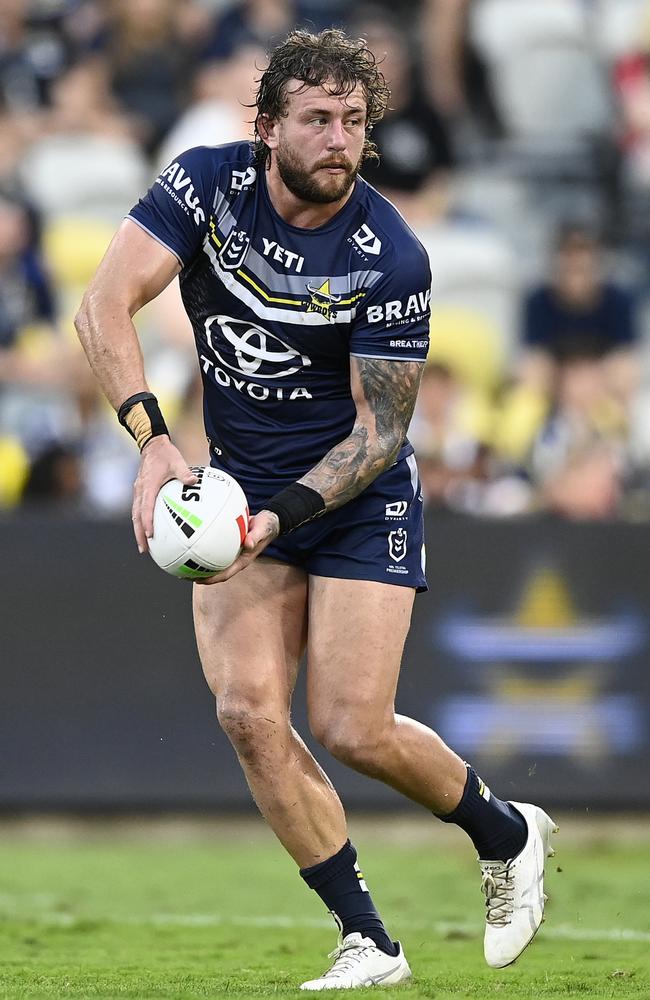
x=397, y=544
x=322, y=300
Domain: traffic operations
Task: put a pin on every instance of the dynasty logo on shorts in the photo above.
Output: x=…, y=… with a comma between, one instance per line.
x=397, y=510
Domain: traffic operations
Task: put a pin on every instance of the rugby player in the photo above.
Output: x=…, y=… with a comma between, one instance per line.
x=308, y=296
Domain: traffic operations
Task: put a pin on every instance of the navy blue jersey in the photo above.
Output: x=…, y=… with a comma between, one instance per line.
x=277, y=311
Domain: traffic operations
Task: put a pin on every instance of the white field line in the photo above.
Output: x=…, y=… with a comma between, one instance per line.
x=563, y=932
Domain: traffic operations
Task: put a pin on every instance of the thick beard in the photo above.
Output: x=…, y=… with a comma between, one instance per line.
x=305, y=185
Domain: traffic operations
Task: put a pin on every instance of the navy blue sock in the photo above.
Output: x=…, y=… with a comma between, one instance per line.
x=341, y=886
x=497, y=830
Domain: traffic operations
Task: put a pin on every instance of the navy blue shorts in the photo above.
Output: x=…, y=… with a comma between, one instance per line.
x=377, y=536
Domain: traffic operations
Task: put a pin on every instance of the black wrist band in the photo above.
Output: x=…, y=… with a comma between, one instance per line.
x=141, y=416
x=295, y=505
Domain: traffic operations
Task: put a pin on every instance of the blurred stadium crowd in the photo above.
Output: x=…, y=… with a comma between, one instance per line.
x=518, y=148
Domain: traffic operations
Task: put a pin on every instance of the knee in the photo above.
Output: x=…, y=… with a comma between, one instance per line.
x=251, y=728
x=352, y=741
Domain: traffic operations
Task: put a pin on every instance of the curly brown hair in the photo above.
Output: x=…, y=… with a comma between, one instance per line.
x=330, y=57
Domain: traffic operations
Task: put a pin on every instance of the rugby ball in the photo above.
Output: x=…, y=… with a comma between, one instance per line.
x=199, y=530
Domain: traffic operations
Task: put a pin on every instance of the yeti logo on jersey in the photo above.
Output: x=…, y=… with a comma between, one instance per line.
x=243, y=180
x=366, y=240
x=177, y=182
x=251, y=350
x=322, y=300
x=286, y=257
x=397, y=509
x=234, y=250
x=397, y=544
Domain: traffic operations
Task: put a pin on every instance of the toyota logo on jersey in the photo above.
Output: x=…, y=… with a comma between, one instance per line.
x=251, y=350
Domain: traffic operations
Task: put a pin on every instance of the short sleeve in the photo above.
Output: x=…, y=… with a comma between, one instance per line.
x=175, y=209
x=392, y=322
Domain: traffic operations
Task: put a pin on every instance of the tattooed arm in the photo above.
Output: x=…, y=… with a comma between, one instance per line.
x=384, y=394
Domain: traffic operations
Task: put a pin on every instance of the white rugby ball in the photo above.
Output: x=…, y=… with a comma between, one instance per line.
x=199, y=530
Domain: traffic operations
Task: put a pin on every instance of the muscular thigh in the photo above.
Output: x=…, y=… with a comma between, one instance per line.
x=251, y=632
x=357, y=630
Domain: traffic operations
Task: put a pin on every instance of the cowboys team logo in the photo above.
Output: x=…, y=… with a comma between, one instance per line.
x=251, y=350
x=397, y=544
x=322, y=300
x=234, y=250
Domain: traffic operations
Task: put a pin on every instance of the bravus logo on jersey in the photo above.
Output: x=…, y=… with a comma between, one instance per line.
x=177, y=182
x=412, y=307
x=247, y=358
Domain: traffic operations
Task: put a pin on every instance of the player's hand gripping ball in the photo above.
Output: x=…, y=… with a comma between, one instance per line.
x=199, y=530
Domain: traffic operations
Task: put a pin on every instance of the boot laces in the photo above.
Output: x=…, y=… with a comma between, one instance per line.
x=345, y=956
x=497, y=885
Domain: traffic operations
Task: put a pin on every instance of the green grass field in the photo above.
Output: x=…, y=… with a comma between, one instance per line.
x=184, y=909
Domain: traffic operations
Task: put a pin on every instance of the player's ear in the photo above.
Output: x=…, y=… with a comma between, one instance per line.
x=268, y=130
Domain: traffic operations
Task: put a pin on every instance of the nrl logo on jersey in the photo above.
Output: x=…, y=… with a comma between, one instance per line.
x=234, y=250
x=322, y=300
x=243, y=180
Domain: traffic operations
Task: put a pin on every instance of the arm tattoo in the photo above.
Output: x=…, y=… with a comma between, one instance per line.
x=389, y=389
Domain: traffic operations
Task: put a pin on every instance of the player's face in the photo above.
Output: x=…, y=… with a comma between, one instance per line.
x=320, y=141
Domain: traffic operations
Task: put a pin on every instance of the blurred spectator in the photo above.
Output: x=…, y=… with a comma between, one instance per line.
x=455, y=74
x=587, y=488
x=86, y=162
x=26, y=296
x=32, y=55
x=55, y=477
x=632, y=83
x=40, y=371
x=107, y=464
x=15, y=134
x=449, y=431
x=148, y=64
x=188, y=430
x=579, y=315
x=220, y=107
x=412, y=139
x=260, y=23
x=577, y=467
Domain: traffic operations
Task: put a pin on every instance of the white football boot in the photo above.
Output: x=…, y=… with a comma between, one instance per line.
x=514, y=891
x=359, y=962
